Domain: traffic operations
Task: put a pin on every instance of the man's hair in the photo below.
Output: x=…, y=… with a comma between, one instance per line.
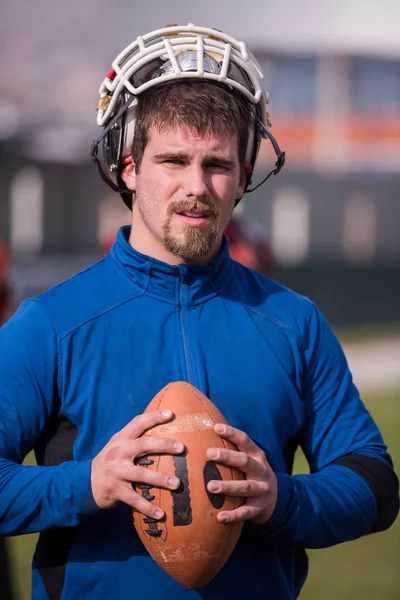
x=204, y=107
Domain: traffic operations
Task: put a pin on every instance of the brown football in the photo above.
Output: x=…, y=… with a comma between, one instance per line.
x=189, y=543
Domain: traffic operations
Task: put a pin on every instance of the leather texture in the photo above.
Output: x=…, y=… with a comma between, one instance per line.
x=189, y=543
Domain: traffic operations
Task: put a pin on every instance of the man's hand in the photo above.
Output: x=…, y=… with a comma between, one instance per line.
x=260, y=487
x=114, y=470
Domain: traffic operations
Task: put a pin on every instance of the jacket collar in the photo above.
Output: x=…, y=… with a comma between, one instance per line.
x=166, y=281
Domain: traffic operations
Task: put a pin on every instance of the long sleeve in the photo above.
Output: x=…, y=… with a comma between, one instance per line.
x=33, y=498
x=352, y=489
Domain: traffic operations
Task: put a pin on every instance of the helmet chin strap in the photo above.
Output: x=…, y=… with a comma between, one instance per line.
x=280, y=157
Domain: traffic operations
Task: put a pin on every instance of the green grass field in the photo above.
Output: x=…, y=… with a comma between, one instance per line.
x=367, y=569
x=367, y=332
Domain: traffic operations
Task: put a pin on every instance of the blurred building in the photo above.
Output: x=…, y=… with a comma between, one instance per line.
x=333, y=72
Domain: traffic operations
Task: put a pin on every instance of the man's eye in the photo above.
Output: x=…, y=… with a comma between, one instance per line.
x=174, y=161
x=217, y=167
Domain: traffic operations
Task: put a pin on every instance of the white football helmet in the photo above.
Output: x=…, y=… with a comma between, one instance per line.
x=170, y=54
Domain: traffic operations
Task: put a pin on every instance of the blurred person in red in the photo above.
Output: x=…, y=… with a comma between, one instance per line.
x=249, y=244
x=5, y=303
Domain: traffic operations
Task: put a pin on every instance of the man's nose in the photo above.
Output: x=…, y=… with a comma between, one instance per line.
x=196, y=182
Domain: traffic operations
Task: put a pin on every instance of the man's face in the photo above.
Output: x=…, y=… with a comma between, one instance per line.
x=185, y=193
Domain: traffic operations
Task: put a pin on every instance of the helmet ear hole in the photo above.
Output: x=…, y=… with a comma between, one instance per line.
x=109, y=151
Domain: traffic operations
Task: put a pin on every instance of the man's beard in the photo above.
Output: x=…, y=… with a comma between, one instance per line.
x=194, y=242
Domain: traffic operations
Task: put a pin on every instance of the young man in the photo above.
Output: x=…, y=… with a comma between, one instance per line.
x=184, y=111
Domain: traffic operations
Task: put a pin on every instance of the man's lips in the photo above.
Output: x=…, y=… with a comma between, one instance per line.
x=195, y=213
x=193, y=218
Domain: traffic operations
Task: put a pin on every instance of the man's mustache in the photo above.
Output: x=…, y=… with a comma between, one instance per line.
x=179, y=206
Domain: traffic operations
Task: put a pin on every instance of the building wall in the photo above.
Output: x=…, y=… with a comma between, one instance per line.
x=335, y=112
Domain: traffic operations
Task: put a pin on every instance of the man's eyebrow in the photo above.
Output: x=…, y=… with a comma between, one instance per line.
x=170, y=155
x=211, y=158
x=226, y=161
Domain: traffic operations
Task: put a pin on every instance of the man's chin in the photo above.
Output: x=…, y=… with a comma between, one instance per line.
x=192, y=245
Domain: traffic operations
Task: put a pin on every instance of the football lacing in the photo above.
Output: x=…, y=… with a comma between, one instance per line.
x=145, y=488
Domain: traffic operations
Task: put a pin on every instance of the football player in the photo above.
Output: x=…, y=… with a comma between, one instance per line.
x=183, y=111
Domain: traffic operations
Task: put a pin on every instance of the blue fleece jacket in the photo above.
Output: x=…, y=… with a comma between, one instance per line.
x=83, y=359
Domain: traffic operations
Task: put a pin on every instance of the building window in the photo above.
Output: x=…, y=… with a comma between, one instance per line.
x=360, y=229
x=375, y=84
x=290, y=235
x=292, y=84
x=26, y=229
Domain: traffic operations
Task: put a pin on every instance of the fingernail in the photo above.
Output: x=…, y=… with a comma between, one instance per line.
x=158, y=514
x=178, y=446
x=222, y=518
x=166, y=413
x=213, y=487
x=173, y=482
x=220, y=428
x=212, y=453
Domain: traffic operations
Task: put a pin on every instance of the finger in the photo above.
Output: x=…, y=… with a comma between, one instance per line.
x=136, y=501
x=237, y=437
x=135, y=474
x=131, y=449
x=245, y=489
x=153, y=445
x=136, y=428
x=232, y=458
x=243, y=513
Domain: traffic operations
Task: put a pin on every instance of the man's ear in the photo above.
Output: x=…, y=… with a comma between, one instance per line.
x=245, y=172
x=128, y=173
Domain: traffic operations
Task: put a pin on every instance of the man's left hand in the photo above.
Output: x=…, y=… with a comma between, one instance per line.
x=260, y=487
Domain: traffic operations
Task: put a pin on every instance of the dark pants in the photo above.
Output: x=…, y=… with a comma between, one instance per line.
x=5, y=576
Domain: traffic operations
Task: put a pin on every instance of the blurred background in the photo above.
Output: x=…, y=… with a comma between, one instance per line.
x=328, y=226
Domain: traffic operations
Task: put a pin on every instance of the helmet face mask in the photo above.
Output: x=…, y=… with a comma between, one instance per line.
x=175, y=53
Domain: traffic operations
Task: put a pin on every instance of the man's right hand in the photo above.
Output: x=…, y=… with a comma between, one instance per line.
x=114, y=469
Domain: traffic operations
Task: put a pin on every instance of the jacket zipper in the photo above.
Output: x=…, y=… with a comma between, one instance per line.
x=185, y=335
